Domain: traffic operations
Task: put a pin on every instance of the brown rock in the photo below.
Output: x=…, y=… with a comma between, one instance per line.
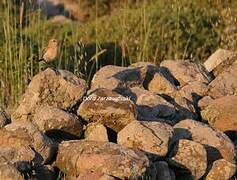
x=150, y=106
x=115, y=77
x=217, y=143
x=20, y=135
x=221, y=113
x=96, y=132
x=193, y=91
x=204, y=102
x=93, y=176
x=49, y=118
x=161, y=85
x=79, y=157
x=9, y=172
x=221, y=170
x=61, y=90
x=108, y=108
x=225, y=83
x=4, y=120
x=219, y=60
x=151, y=137
x=191, y=156
x=186, y=71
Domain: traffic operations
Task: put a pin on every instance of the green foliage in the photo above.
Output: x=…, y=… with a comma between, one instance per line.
x=124, y=31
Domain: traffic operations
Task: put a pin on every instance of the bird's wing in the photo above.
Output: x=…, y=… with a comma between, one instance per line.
x=44, y=51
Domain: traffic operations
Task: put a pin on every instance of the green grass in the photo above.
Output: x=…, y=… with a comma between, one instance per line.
x=146, y=32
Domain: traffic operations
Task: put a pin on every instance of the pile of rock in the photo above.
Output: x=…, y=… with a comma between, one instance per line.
x=173, y=121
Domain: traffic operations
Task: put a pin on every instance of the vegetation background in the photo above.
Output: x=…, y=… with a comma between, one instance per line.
x=109, y=32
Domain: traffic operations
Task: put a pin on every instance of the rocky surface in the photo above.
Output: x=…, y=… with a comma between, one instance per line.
x=224, y=84
x=115, y=77
x=77, y=157
x=145, y=121
x=108, y=108
x=96, y=132
x=221, y=170
x=61, y=90
x=185, y=71
x=221, y=113
x=220, y=60
x=50, y=119
x=151, y=137
x=216, y=142
x=189, y=155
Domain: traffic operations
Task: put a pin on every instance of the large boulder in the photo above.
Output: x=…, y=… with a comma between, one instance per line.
x=151, y=137
x=185, y=71
x=150, y=106
x=52, y=119
x=58, y=89
x=25, y=140
x=220, y=60
x=115, y=77
x=80, y=156
x=189, y=155
x=221, y=170
x=216, y=142
x=108, y=108
x=225, y=83
x=221, y=113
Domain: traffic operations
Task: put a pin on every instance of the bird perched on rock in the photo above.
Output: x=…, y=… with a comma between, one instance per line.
x=50, y=53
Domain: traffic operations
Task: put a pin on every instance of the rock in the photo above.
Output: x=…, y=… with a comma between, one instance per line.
x=161, y=85
x=80, y=156
x=204, y=102
x=219, y=60
x=225, y=83
x=96, y=132
x=151, y=137
x=61, y=90
x=221, y=113
x=4, y=120
x=9, y=172
x=20, y=135
x=150, y=106
x=189, y=155
x=221, y=170
x=50, y=119
x=94, y=176
x=108, y=108
x=115, y=77
x=193, y=91
x=217, y=143
x=21, y=157
x=163, y=171
x=185, y=71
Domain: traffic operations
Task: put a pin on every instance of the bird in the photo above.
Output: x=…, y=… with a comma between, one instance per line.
x=50, y=53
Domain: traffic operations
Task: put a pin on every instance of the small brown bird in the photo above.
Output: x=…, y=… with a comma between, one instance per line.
x=50, y=53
